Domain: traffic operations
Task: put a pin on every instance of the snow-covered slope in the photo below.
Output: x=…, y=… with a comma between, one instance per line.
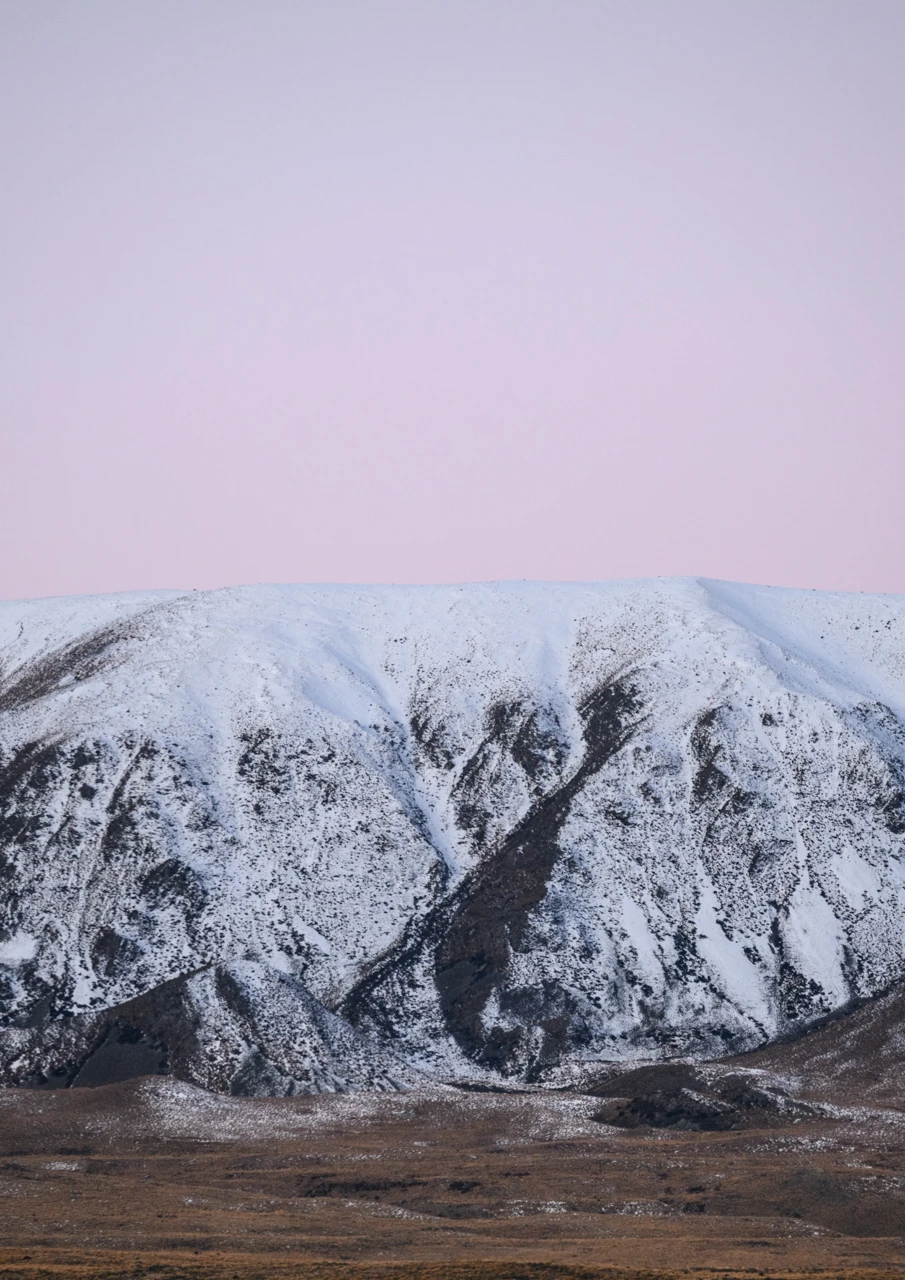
x=245, y=1029
x=498, y=828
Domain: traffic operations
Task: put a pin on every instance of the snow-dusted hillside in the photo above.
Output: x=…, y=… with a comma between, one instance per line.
x=499, y=829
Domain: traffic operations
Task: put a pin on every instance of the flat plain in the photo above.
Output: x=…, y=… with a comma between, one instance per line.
x=154, y=1177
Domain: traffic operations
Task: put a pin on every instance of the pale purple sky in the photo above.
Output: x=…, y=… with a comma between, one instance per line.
x=354, y=290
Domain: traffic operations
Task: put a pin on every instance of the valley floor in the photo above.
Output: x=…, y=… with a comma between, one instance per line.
x=155, y=1178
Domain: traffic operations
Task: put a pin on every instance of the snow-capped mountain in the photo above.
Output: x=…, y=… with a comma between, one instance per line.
x=497, y=830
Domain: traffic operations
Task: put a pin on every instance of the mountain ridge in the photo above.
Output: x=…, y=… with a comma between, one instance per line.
x=501, y=828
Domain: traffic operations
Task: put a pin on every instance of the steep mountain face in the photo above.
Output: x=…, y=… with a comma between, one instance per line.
x=489, y=831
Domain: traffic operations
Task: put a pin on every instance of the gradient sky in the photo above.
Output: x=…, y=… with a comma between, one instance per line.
x=366, y=290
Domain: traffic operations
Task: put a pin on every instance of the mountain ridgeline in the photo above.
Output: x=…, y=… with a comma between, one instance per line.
x=290, y=839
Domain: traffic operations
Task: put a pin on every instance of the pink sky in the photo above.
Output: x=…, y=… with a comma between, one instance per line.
x=354, y=290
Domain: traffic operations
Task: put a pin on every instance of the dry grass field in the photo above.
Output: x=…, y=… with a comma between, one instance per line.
x=155, y=1178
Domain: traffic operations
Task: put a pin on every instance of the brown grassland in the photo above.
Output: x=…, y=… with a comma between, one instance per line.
x=153, y=1178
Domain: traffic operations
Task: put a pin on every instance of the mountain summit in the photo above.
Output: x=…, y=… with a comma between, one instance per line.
x=291, y=838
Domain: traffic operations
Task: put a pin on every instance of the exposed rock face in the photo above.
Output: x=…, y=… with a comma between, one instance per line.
x=496, y=830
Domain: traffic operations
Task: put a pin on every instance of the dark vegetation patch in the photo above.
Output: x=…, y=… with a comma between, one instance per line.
x=709, y=779
x=70, y=664
x=530, y=737
x=800, y=998
x=319, y=1185
x=262, y=764
x=111, y=954
x=122, y=837
x=27, y=780
x=153, y=1034
x=173, y=883
x=431, y=735
x=125, y=1053
x=683, y=1096
x=885, y=785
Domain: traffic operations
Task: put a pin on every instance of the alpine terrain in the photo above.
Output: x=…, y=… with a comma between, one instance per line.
x=279, y=840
